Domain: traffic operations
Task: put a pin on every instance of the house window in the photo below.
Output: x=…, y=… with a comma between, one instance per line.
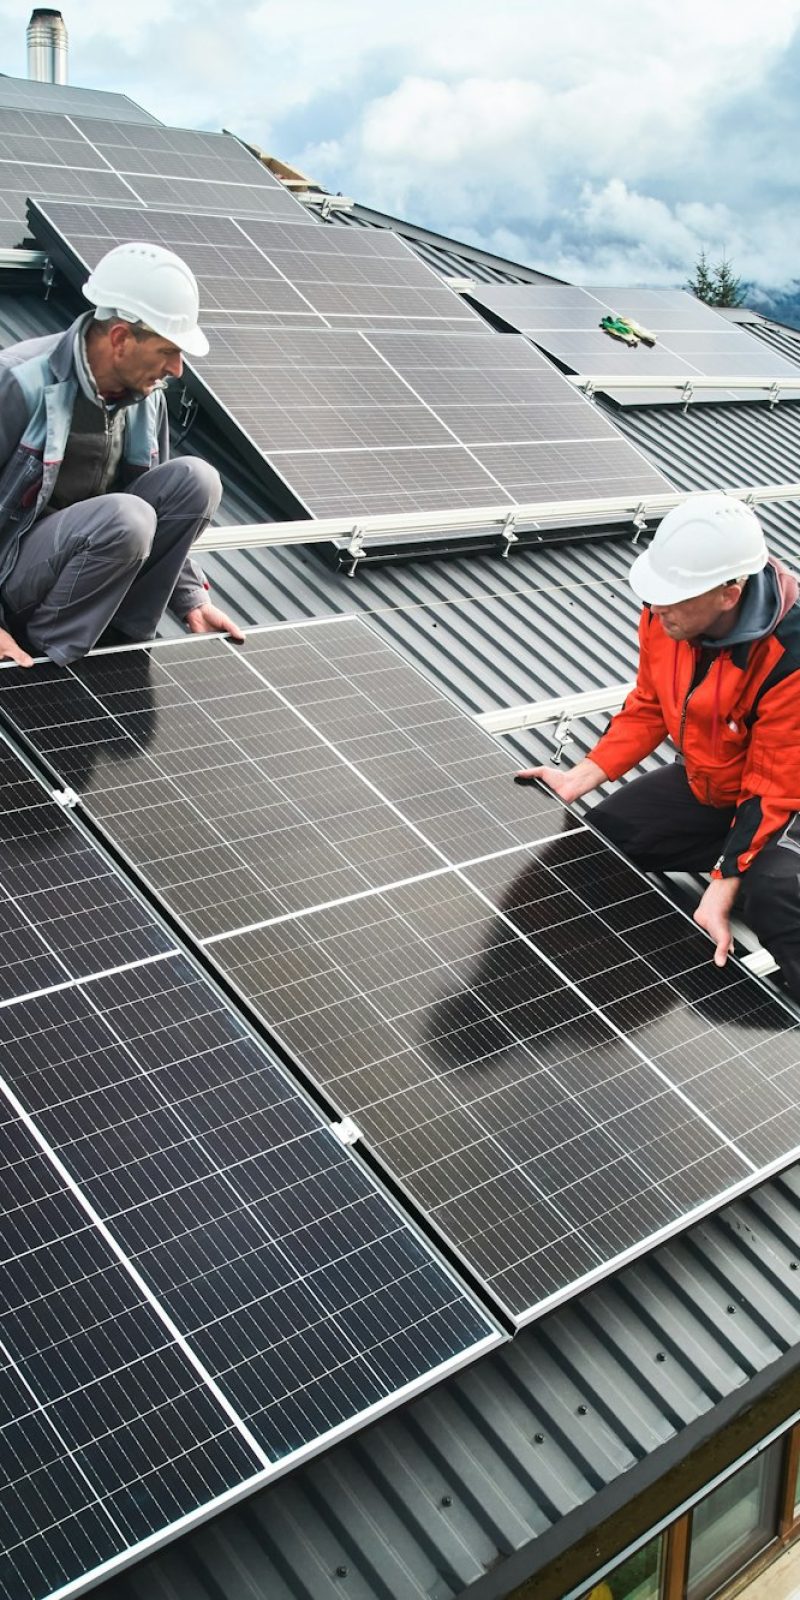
x=638, y=1578
x=733, y=1523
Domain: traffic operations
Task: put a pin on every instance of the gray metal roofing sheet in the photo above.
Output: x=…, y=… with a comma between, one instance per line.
x=450, y=257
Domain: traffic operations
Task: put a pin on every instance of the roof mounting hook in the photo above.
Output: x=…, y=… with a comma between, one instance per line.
x=355, y=549
x=687, y=395
x=48, y=277
x=326, y=207
x=639, y=520
x=588, y=389
x=507, y=533
x=561, y=737
x=774, y=396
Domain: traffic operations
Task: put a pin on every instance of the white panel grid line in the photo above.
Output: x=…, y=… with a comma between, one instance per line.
x=368, y=894
x=88, y=977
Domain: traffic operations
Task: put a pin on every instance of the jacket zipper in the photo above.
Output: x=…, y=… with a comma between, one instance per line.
x=690, y=692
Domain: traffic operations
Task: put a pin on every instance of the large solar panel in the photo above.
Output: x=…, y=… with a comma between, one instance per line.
x=90, y=158
x=355, y=423
x=198, y=1282
x=30, y=94
x=288, y=272
x=692, y=340
x=531, y=1039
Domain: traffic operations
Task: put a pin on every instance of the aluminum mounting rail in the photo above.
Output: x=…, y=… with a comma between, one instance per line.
x=505, y=520
x=686, y=386
x=509, y=719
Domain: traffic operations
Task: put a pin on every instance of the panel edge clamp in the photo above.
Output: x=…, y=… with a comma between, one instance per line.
x=66, y=798
x=347, y=1131
x=355, y=550
x=639, y=520
x=507, y=533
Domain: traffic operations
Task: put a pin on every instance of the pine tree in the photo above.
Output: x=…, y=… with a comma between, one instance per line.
x=702, y=284
x=728, y=290
x=716, y=285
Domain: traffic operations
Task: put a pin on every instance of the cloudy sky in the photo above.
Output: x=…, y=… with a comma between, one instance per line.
x=600, y=140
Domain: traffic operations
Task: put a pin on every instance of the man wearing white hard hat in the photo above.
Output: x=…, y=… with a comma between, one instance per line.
x=96, y=522
x=719, y=674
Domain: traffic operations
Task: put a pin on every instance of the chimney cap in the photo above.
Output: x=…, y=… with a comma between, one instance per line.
x=45, y=11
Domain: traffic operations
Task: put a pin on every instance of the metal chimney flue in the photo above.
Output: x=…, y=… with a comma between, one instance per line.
x=47, y=46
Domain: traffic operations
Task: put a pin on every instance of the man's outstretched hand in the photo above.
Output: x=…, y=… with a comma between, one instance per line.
x=11, y=651
x=713, y=915
x=207, y=618
x=569, y=785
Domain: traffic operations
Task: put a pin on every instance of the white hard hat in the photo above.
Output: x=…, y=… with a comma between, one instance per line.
x=143, y=282
x=708, y=540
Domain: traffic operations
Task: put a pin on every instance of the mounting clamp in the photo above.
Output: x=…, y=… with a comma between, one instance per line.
x=347, y=1131
x=639, y=520
x=507, y=533
x=687, y=395
x=66, y=798
x=355, y=549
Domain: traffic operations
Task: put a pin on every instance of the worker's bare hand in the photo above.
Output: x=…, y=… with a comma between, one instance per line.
x=11, y=651
x=569, y=785
x=207, y=618
x=713, y=915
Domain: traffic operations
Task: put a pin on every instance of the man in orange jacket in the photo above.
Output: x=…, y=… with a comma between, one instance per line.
x=719, y=673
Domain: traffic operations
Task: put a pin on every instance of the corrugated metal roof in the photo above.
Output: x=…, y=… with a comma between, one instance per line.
x=720, y=446
x=453, y=258
x=779, y=336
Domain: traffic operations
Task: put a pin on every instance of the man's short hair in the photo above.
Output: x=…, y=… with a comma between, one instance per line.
x=139, y=330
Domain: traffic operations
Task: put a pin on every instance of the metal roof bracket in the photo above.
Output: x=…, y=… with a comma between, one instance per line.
x=507, y=533
x=48, y=277
x=561, y=737
x=639, y=520
x=355, y=549
x=588, y=389
x=774, y=396
x=687, y=395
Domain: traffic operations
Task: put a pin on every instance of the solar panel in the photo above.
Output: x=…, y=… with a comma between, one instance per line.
x=692, y=340
x=89, y=158
x=289, y=272
x=198, y=1281
x=26, y=94
x=531, y=1039
x=353, y=423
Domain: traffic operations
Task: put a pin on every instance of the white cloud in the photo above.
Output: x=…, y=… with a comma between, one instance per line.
x=586, y=137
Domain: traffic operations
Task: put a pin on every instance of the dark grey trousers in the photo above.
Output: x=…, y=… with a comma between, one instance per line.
x=656, y=821
x=117, y=558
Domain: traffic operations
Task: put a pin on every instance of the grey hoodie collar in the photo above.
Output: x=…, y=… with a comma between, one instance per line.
x=759, y=612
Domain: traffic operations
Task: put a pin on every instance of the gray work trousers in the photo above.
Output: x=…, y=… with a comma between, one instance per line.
x=116, y=559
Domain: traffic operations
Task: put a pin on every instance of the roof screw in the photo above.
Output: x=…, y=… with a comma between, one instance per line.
x=660, y=1356
x=730, y=1310
x=447, y=1500
x=582, y=1410
x=538, y=1438
x=792, y=1266
x=341, y=1572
